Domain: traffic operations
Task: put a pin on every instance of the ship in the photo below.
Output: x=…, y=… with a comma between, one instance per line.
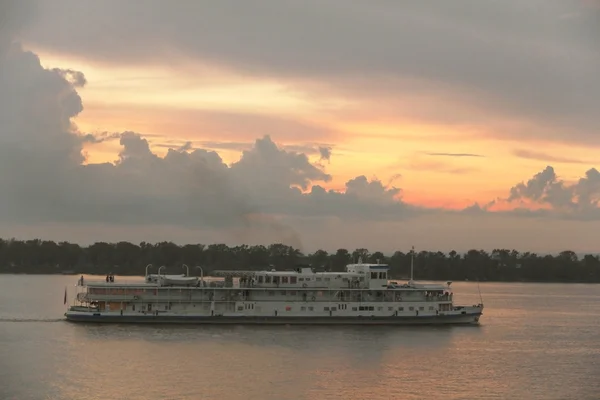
x=361, y=295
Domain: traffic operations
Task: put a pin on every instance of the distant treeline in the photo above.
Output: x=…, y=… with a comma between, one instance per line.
x=123, y=258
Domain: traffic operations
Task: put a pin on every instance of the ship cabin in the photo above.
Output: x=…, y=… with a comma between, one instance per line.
x=356, y=276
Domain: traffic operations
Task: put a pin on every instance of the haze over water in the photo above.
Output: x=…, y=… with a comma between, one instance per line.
x=536, y=341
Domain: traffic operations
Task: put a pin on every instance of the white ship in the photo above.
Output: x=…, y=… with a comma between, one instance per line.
x=360, y=296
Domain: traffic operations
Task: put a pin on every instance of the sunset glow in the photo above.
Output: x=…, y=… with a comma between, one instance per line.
x=321, y=124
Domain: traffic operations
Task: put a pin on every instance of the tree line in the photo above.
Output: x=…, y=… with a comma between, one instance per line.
x=124, y=258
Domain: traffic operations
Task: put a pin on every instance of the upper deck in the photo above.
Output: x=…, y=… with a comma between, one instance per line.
x=360, y=276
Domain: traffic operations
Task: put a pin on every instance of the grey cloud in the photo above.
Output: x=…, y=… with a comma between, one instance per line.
x=44, y=180
x=571, y=200
x=100, y=137
x=519, y=58
x=325, y=153
x=76, y=78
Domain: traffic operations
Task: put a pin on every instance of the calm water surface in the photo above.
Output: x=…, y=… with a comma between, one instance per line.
x=536, y=341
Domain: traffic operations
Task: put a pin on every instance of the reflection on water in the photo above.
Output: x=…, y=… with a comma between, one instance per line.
x=535, y=342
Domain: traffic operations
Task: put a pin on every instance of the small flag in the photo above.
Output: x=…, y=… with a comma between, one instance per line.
x=65, y=299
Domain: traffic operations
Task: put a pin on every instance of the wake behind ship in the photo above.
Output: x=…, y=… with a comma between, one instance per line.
x=361, y=295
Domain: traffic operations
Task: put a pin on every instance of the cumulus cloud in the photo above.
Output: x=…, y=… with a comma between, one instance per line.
x=576, y=200
x=533, y=65
x=44, y=178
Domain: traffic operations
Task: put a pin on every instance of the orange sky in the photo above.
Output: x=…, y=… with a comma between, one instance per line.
x=173, y=107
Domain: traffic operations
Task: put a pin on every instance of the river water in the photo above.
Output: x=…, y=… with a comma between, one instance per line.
x=535, y=341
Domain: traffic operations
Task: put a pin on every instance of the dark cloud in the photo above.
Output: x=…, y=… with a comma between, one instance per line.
x=532, y=63
x=325, y=153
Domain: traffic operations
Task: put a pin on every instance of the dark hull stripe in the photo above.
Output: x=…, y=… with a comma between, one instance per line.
x=471, y=318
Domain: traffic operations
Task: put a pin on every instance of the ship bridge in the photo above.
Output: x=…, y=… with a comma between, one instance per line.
x=375, y=274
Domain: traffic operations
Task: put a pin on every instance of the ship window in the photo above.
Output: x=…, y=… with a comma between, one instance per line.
x=267, y=279
x=421, y=308
x=430, y=308
x=292, y=279
x=411, y=308
x=271, y=293
x=326, y=308
x=379, y=308
x=361, y=308
x=319, y=279
x=260, y=279
x=373, y=275
x=382, y=275
x=240, y=308
x=133, y=307
x=371, y=308
x=390, y=308
x=302, y=308
x=333, y=309
x=311, y=308
x=400, y=308
x=284, y=279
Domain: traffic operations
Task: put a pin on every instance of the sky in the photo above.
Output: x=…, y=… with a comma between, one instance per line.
x=320, y=124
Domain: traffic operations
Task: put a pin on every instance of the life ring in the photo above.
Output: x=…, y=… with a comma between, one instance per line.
x=136, y=297
x=304, y=285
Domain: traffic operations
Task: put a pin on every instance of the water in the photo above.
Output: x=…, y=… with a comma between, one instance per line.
x=536, y=341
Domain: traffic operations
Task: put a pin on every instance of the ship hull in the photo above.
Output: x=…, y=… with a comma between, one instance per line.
x=449, y=319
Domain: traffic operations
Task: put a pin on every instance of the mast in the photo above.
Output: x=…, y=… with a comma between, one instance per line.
x=412, y=262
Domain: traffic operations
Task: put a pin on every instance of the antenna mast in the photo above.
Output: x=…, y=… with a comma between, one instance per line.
x=412, y=262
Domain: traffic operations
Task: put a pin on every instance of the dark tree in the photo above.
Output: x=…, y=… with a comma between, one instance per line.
x=47, y=257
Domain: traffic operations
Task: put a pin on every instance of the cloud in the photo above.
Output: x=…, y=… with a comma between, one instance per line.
x=44, y=178
x=571, y=200
x=325, y=153
x=540, y=156
x=533, y=68
x=100, y=137
x=45, y=181
x=454, y=155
